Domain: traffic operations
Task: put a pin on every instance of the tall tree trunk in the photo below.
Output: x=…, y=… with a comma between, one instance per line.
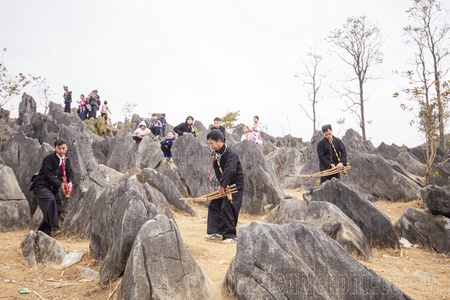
x=361, y=106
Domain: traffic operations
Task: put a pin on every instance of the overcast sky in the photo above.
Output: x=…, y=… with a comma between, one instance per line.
x=206, y=58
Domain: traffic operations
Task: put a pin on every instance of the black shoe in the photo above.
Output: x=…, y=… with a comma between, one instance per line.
x=55, y=231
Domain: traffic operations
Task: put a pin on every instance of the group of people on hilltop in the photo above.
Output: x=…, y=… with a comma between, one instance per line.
x=87, y=106
x=56, y=173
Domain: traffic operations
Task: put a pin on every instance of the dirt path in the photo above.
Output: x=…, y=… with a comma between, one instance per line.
x=403, y=267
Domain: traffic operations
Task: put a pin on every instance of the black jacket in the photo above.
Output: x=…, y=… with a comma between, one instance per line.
x=183, y=127
x=222, y=129
x=50, y=174
x=327, y=155
x=231, y=167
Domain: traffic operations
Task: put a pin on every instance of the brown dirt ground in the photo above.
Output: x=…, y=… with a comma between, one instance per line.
x=214, y=259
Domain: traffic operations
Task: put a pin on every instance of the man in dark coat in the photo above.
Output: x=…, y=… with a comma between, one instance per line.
x=55, y=172
x=331, y=152
x=218, y=125
x=223, y=213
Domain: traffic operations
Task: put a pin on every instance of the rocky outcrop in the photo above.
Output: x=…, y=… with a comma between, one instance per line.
x=373, y=175
x=37, y=247
x=262, y=188
x=24, y=155
x=328, y=217
x=27, y=105
x=166, y=187
x=118, y=214
x=419, y=226
x=289, y=209
x=14, y=209
x=287, y=161
x=168, y=274
x=309, y=265
x=375, y=225
x=437, y=200
x=403, y=157
x=193, y=159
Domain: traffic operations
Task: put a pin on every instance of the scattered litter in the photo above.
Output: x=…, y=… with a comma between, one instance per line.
x=71, y=258
x=24, y=291
x=405, y=243
x=223, y=262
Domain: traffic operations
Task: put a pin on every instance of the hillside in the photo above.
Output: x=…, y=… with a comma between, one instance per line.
x=405, y=267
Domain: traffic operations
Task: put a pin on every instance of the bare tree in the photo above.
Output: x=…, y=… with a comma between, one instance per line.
x=430, y=34
x=358, y=45
x=312, y=81
x=44, y=92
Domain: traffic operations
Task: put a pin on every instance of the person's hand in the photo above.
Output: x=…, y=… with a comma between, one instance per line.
x=332, y=166
x=69, y=187
x=340, y=166
x=221, y=191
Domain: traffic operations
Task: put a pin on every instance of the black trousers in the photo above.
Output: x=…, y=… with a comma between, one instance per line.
x=325, y=178
x=50, y=204
x=223, y=215
x=137, y=139
x=67, y=107
x=155, y=130
x=166, y=150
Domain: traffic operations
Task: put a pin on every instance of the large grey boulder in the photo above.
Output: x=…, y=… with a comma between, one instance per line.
x=328, y=217
x=123, y=156
x=262, y=189
x=288, y=210
x=27, y=105
x=419, y=226
x=354, y=142
x=24, y=155
x=403, y=157
x=160, y=266
x=373, y=175
x=375, y=225
x=14, y=209
x=437, y=200
x=299, y=261
x=28, y=249
x=166, y=187
x=118, y=214
x=287, y=161
x=193, y=158
x=49, y=251
x=311, y=160
x=38, y=247
x=440, y=174
x=80, y=210
x=339, y=227
x=170, y=170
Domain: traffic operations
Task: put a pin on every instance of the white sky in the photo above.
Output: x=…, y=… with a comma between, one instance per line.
x=205, y=58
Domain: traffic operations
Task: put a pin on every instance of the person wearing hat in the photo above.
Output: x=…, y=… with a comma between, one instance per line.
x=186, y=127
x=140, y=132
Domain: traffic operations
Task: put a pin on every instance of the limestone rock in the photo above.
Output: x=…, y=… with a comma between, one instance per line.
x=14, y=209
x=169, y=274
x=299, y=261
x=375, y=225
x=437, y=200
x=419, y=226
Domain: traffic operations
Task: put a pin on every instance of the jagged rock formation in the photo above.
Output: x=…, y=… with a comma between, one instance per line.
x=309, y=265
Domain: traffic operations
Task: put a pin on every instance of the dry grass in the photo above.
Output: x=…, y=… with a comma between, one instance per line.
x=214, y=258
